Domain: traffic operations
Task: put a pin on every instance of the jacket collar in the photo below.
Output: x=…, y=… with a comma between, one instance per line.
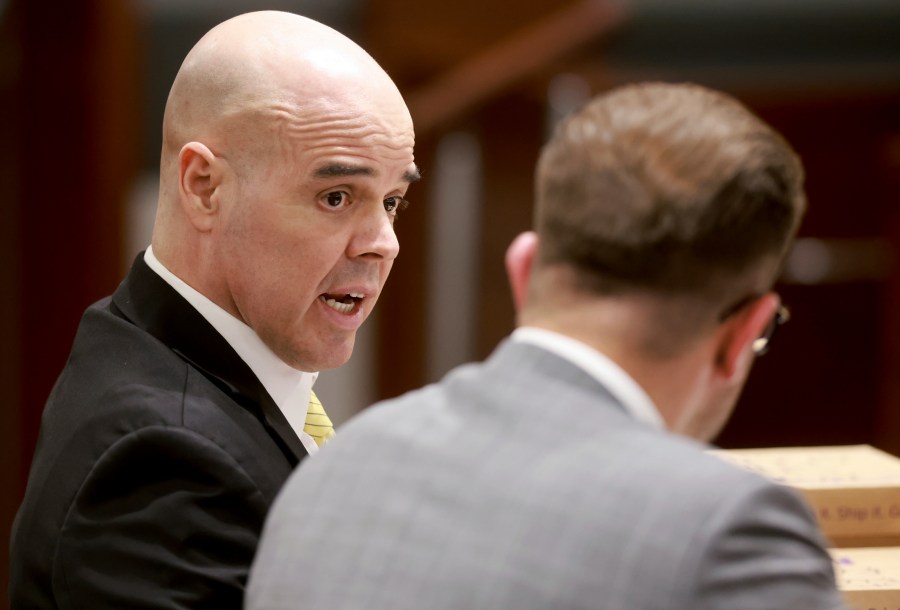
x=150, y=303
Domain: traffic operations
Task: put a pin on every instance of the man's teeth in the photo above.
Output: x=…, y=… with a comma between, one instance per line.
x=343, y=307
x=338, y=306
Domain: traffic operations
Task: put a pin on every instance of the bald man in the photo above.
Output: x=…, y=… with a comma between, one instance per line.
x=287, y=153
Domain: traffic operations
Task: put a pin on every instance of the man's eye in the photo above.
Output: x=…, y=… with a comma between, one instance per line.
x=336, y=199
x=395, y=204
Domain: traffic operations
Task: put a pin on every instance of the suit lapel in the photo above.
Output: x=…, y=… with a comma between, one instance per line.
x=151, y=304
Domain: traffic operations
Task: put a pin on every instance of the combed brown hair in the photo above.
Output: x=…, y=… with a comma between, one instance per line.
x=665, y=188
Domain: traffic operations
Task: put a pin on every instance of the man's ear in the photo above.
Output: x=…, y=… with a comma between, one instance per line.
x=198, y=180
x=519, y=258
x=739, y=332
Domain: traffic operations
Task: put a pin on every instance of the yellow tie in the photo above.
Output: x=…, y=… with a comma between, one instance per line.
x=317, y=423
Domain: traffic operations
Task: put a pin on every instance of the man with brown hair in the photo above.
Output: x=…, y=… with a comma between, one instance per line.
x=569, y=469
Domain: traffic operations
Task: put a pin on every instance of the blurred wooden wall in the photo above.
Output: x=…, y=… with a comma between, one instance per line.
x=69, y=108
x=832, y=377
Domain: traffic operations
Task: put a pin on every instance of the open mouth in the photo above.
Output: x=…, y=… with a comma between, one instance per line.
x=343, y=303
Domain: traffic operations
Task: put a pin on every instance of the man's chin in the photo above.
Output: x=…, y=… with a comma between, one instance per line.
x=329, y=356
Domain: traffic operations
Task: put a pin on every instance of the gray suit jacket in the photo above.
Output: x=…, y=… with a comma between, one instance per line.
x=521, y=483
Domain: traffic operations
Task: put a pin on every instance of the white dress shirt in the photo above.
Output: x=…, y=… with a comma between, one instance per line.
x=288, y=387
x=619, y=383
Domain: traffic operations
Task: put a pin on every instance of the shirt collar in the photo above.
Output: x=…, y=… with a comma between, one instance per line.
x=613, y=377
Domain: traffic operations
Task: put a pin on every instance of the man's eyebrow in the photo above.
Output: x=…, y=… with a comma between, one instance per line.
x=335, y=170
x=412, y=175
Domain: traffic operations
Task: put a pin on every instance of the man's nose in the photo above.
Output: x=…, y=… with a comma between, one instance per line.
x=375, y=236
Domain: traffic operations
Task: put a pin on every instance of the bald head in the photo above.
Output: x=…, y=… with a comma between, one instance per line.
x=265, y=65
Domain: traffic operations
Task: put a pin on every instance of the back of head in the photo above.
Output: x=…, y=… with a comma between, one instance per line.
x=666, y=190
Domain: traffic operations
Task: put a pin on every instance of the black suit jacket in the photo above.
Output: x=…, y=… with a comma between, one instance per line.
x=159, y=455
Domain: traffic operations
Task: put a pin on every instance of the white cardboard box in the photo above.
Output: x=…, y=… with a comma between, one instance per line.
x=853, y=489
x=869, y=577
